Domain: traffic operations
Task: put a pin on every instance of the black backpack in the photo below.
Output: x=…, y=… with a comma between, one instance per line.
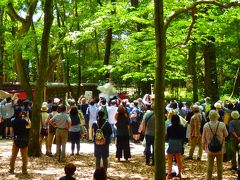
x=214, y=145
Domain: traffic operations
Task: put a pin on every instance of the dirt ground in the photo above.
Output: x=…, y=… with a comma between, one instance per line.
x=48, y=168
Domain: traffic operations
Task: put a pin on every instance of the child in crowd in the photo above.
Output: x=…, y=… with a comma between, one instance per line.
x=69, y=171
x=100, y=174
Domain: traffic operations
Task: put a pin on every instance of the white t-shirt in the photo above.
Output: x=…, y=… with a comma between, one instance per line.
x=111, y=114
x=92, y=112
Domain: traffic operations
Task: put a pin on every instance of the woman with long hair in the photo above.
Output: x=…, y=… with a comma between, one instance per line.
x=175, y=138
x=75, y=130
x=122, y=124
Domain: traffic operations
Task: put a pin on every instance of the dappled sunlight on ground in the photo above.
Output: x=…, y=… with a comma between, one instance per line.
x=48, y=168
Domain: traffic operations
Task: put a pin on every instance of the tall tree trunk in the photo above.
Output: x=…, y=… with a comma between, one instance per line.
x=211, y=83
x=236, y=87
x=79, y=60
x=1, y=46
x=192, y=70
x=97, y=46
x=34, y=146
x=21, y=72
x=142, y=87
x=160, y=34
x=236, y=84
x=26, y=23
x=108, y=43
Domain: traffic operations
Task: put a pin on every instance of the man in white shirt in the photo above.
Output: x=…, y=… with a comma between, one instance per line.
x=91, y=112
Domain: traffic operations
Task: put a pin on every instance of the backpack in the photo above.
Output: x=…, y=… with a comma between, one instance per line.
x=99, y=136
x=214, y=145
x=139, y=116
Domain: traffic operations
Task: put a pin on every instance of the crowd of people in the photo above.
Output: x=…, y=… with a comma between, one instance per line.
x=103, y=121
x=210, y=125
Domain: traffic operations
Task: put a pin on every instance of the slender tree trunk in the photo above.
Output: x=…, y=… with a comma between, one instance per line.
x=34, y=146
x=26, y=23
x=108, y=43
x=1, y=46
x=97, y=46
x=22, y=74
x=160, y=34
x=192, y=70
x=211, y=82
x=236, y=87
x=236, y=84
x=79, y=52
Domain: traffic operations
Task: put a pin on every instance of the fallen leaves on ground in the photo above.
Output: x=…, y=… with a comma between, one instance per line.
x=48, y=168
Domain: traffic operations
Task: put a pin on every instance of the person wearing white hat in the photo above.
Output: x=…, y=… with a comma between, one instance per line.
x=234, y=129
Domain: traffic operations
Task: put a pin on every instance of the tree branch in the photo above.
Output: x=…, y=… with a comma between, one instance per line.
x=99, y=2
x=13, y=14
x=31, y=9
x=191, y=26
x=175, y=14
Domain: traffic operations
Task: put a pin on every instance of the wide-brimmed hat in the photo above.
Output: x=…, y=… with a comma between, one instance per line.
x=235, y=114
x=44, y=108
x=214, y=115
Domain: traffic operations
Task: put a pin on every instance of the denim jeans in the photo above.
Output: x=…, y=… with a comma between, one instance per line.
x=105, y=162
x=75, y=139
x=113, y=135
x=149, y=145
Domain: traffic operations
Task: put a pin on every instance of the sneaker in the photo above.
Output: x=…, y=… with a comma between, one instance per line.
x=233, y=169
x=179, y=175
x=11, y=171
x=188, y=158
x=25, y=173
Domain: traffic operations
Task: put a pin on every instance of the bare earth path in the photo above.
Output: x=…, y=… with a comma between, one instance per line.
x=48, y=168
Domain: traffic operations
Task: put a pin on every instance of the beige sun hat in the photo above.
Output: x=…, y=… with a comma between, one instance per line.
x=44, y=108
x=235, y=114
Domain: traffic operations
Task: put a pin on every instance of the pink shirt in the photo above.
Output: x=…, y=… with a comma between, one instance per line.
x=207, y=135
